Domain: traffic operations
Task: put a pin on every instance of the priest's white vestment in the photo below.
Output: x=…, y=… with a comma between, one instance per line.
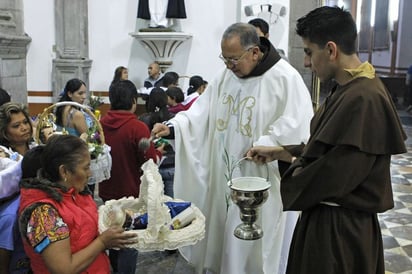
x=232, y=115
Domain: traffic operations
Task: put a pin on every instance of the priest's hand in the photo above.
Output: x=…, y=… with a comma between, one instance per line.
x=265, y=154
x=160, y=130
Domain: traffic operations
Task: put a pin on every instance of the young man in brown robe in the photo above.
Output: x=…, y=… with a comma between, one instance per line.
x=340, y=179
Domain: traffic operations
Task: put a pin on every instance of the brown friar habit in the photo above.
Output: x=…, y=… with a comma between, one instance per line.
x=342, y=180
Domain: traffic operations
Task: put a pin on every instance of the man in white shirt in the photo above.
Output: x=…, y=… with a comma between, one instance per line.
x=155, y=74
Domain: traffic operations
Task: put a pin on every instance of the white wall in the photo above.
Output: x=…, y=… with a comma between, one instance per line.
x=278, y=26
x=110, y=44
x=39, y=25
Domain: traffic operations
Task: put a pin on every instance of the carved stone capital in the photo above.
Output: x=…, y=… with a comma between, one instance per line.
x=13, y=46
x=162, y=45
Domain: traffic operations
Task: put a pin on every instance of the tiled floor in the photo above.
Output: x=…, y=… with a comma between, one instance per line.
x=396, y=224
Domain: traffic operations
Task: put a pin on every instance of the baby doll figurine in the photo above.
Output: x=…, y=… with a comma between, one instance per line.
x=3, y=153
x=45, y=133
x=8, y=157
x=180, y=212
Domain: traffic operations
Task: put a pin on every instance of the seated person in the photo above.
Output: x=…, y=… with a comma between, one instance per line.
x=155, y=74
x=175, y=98
x=121, y=73
x=196, y=87
x=71, y=118
x=170, y=79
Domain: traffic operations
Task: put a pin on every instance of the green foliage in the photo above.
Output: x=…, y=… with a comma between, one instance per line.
x=94, y=141
x=95, y=101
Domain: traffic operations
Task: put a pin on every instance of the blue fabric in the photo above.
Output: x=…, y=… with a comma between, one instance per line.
x=168, y=176
x=8, y=217
x=141, y=221
x=42, y=245
x=88, y=118
x=72, y=131
x=10, y=238
x=177, y=207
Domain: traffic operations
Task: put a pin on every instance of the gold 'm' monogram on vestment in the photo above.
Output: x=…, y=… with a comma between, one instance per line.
x=241, y=109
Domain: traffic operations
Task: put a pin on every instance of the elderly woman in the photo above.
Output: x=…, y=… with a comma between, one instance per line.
x=59, y=219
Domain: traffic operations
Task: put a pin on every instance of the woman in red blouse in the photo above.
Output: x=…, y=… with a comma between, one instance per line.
x=58, y=216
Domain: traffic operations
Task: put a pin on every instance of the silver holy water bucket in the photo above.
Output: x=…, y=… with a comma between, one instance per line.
x=248, y=193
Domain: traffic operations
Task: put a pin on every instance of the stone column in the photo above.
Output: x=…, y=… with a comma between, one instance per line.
x=299, y=8
x=13, y=50
x=72, y=44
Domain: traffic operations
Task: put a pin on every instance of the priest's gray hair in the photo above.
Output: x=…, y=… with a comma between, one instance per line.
x=246, y=33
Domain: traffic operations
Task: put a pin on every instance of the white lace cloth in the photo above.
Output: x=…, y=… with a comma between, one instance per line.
x=157, y=235
x=101, y=166
x=10, y=173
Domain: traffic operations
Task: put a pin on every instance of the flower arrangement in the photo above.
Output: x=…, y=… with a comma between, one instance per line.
x=95, y=101
x=94, y=141
x=101, y=160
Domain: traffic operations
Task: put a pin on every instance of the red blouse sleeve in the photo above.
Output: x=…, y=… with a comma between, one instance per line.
x=45, y=226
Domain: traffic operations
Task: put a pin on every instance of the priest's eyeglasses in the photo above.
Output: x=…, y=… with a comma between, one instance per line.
x=235, y=61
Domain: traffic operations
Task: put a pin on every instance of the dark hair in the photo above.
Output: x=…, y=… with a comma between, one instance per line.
x=117, y=74
x=31, y=162
x=122, y=95
x=169, y=78
x=195, y=83
x=71, y=86
x=329, y=24
x=261, y=24
x=157, y=99
x=4, y=96
x=157, y=108
x=176, y=94
x=60, y=150
x=6, y=110
x=246, y=32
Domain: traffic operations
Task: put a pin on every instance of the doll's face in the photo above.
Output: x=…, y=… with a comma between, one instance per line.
x=3, y=154
x=47, y=132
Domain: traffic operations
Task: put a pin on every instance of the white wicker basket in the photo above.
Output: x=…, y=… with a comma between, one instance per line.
x=102, y=165
x=157, y=235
